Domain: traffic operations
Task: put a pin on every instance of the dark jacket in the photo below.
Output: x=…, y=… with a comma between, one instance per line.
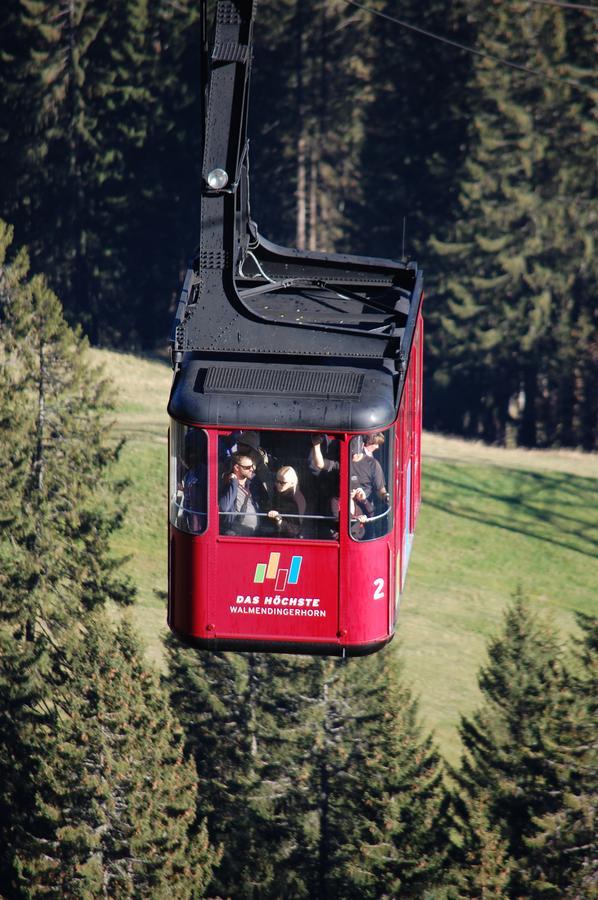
x=287, y=503
x=227, y=501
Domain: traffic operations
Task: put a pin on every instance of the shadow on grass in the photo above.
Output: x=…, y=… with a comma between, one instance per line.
x=555, y=508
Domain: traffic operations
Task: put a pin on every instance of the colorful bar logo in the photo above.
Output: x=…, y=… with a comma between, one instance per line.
x=270, y=571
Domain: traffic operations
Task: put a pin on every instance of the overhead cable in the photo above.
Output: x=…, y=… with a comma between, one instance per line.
x=444, y=40
x=580, y=6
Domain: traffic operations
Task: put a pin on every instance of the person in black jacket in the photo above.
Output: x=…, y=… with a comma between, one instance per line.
x=239, y=498
x=324, y=466
x=366, y=472
x=288, y=504
x=248, y=442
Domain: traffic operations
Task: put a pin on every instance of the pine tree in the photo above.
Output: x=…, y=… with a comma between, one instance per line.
x=150, y=162
x=285, y=691
x=360, y=810
x=562, y=854
x=213, y=696
x=307, y=121
x=58, y=512
x=507, y=764
x=510, y=302
x=99, y=133
x=59, y=142
x=388, y=829
x=414, y=129
x=319, y=755
x=253, y=724
x=14, y=95
x=314, y=775
x=568, y=412
x=484, y=869
x=115, y=786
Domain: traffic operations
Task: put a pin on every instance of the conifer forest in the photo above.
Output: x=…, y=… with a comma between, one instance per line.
x=246, y=775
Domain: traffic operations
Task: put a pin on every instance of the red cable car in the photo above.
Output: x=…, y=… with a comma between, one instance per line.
x=294, y=476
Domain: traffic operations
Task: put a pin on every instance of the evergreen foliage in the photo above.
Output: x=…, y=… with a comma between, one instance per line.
x=95, y=797
x=313, y=774
x=57, y=515
x=311, y=777
x=213, y=696
x=415, y=128
x=484, y=869
x=388, y=830
x=513, y=326
x=115, y=788
x=100, y=167
x=359, y=127
x=305, y=167
x=56, y=511
x=563, y=851
x=509, y=773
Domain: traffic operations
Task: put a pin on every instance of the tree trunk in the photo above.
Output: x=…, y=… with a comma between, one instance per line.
x=528, y=424
x=324, y=839
x=300, y=239
x=565, y=409
x=38, y=478
x=313, y=197
x=588, y=414
x=252, y=687
x=301, y=192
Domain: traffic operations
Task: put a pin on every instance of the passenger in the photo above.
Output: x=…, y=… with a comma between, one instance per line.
x=239, y=497
x=194, y=483
x=288, y=502
x=360, y=509
x=372, y=442
x=324, y=454
x=248, y=442
x=366, y=472
x=194, y=498
x=323, y=464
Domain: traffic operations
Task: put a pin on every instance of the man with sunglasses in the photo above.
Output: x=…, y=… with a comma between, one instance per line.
x=239, y=498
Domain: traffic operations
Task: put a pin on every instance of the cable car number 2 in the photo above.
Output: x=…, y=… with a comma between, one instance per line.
x=379, y=589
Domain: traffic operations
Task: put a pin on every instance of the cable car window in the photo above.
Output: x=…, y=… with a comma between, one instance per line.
x=278, y=484
x=188, y=478
x=370, y=508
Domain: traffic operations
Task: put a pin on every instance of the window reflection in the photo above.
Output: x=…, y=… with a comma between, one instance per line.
x=281, y=484
x=188, y=474
x=370, y=514
x=278, y=484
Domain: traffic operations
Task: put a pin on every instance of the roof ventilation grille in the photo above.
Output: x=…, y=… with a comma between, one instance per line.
x=293, y=382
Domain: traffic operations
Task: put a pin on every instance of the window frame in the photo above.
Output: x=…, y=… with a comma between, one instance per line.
x=310, y=519
x=177, y=437
x=387, y=469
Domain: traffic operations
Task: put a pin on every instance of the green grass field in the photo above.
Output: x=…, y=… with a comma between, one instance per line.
x=492, y=521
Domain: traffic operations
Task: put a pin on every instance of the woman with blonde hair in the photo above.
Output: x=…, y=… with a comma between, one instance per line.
x=288, y=504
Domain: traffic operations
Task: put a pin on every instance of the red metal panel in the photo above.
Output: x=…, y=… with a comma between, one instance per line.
x=420, y=372
x=366, y=584
x=398, y=524
x=274, y=590
x=404, y=501
x=417, y=423
x=295, y=596
x=188, y=583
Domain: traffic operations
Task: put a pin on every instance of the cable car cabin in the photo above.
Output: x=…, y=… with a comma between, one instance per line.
x=294, y=476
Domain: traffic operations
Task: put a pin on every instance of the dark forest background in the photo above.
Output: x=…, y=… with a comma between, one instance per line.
x=259, y=776
x=366, y=137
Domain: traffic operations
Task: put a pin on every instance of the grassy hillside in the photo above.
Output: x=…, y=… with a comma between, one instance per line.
x=492, y=521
